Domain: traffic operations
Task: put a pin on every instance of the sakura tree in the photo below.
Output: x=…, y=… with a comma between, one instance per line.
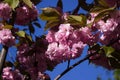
x=68, y=33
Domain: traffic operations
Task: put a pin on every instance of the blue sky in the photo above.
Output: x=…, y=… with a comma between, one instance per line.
x=84, y=71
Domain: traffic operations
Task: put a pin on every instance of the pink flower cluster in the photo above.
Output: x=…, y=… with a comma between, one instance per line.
x=110, y=29
x=25, y=15
x=33, y=59
x=5, y=11
x=109, y=35
x=68, y=43
x=6, y=37
x=10, y=74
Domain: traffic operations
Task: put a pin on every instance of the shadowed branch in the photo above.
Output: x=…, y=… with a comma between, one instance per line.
x=3, y=55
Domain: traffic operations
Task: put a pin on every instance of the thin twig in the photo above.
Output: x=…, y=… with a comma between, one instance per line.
x=68, y=65
x=77, y=8
x=74, y=65
x=3, y=57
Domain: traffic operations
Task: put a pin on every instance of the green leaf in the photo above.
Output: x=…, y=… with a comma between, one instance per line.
x=8, y=26
x=108, y=50
x=13, y=3
x=114, y=59
x=97, y=9
x=21, y=33
x=117, y=74
x=103, y=3
x=48, y=18
x=52, y=23
x=100, y=16
x=114, y=63
x=100, y=9
x=103, y=13
x=117, y=71
x=29, y=38
x=116, y=55
x=49, y=14
x=28, y=3
x=77, y=20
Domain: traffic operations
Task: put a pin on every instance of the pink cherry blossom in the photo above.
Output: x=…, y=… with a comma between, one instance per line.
x=33, y=58
x=109, y=25
x=65, y=44
x=10, y=74
x=5, y=11
x=25, y=15
x=6, y=37
x=50, y=36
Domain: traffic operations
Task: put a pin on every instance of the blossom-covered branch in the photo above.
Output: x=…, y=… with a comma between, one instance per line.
x=68, y=34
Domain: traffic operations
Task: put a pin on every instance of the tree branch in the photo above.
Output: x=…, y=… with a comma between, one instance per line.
x=82, y=4
x=3, y=55
x=74, y=65
x=77, y=8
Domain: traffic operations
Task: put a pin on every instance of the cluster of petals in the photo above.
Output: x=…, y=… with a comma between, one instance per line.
x=25, y=14
x=6, y=37
x=33, y=59
x=110, y=28
x=5, y=11
x=68, y=43
x=109, y=35
x=10, y=74
x=31, y=63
